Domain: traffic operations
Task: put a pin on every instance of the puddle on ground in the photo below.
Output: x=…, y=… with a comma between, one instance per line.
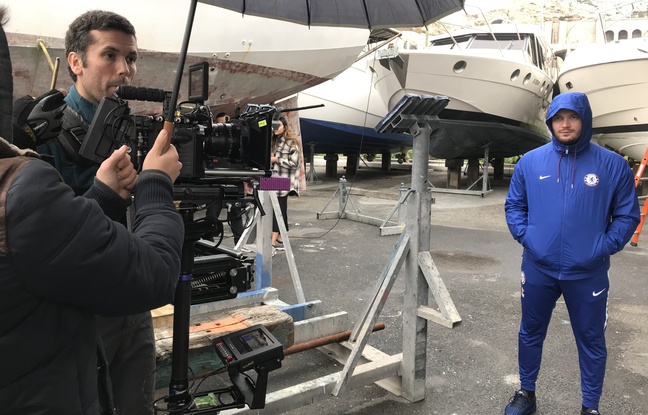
x=463, y=260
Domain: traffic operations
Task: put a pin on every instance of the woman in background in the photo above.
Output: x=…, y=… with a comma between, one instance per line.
x=286, y=159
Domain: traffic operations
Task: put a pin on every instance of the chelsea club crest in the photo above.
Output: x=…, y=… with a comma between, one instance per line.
x=591, y=179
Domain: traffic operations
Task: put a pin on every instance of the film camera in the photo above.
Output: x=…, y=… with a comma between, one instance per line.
x=244, y=143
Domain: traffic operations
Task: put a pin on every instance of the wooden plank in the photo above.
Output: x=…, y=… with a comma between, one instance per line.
x=308, y=392
x=321, y=326
x=163, y=316
x=340, y=352
x=300, y=311
x=205, y=327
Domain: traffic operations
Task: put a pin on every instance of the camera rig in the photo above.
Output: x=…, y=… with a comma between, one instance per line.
x=242, y=148
x=244, y=143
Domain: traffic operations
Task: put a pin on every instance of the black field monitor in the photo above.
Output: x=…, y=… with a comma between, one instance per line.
x=199, y=82
x=248, y=348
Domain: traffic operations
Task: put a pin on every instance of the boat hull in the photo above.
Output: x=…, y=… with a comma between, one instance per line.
x=330, y=137
x=251, y=59
x=346, y=122
x=494, y=102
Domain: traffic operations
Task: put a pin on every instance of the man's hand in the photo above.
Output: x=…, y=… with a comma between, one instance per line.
x=163, y=156
x=118, y=173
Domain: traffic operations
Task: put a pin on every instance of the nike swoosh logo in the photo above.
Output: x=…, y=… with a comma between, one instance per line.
x=596, y=294
x=544, y=177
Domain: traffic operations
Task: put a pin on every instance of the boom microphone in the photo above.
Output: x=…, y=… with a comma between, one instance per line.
x=141, y=93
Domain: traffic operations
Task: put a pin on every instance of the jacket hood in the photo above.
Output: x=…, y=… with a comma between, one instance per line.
x=577, y=102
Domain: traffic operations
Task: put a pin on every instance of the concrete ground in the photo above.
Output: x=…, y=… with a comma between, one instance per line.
x=472, y=368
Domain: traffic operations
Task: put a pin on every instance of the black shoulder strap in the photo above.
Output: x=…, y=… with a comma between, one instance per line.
x=72, y=135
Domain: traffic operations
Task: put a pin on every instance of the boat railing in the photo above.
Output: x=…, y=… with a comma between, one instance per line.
x=375, y=48
x=503, y=52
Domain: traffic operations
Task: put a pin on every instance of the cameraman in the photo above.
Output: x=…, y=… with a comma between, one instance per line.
x=101, y=50
x=63, y=259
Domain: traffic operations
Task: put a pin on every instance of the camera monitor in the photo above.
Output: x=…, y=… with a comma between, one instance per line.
x=198, y=82
x=254, y=345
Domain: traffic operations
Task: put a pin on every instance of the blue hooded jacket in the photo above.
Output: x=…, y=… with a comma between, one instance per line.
x=571, y=207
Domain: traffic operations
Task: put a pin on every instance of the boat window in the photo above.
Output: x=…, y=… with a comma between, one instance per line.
x=536, y=51
x=623, y=34
x=636, y=34
x=448, y=43
x=609, y=36
x=506, y=42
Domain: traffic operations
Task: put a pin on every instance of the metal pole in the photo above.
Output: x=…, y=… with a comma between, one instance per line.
x=416, y=288
x=485, y=179
x=342, y=202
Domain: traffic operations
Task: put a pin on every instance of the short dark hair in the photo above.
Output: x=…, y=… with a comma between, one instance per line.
x=78, y=37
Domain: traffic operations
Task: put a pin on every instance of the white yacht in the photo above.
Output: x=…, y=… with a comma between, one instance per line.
x=499, y=79
x=614, y=76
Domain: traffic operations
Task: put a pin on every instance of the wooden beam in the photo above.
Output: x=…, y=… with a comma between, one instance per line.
x=340, y=352
x=206, y=327
x=163, y=316
x=322, y=326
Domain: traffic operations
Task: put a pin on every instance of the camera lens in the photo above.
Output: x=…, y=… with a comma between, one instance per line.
x=224, y=142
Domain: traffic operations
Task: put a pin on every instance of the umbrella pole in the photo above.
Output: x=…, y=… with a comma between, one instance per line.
x=168, y=120
x=179, y=384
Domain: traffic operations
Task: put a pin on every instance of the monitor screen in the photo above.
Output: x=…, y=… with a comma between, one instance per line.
x=198, y=82
x=253, y=340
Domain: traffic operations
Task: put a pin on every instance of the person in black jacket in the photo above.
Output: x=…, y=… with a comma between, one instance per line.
x=64, y=260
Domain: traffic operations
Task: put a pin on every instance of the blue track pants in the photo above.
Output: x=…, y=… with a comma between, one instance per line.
x=586, y=300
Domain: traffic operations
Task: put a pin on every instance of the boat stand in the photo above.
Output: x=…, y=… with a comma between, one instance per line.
x=485, y=190
x=311, y=175
x=387, y=226
x=403, y=374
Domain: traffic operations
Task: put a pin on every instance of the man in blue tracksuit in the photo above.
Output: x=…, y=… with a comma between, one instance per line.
x=571, y=204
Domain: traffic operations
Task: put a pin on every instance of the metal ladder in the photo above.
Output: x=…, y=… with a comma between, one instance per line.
x=638, y=178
